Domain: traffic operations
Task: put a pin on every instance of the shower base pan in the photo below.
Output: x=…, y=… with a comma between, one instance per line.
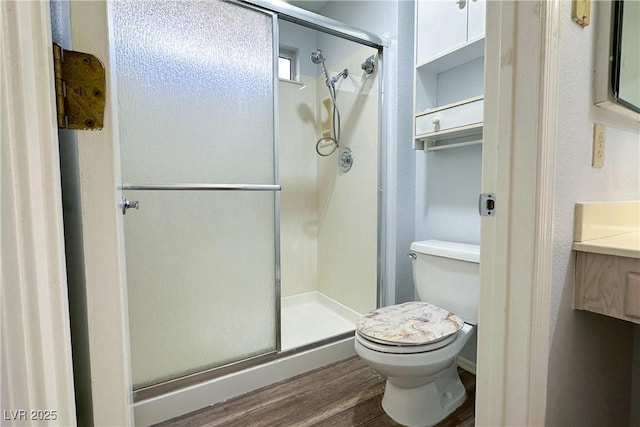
x=312, y=317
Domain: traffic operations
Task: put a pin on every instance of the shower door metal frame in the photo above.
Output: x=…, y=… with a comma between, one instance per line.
x=320, y=23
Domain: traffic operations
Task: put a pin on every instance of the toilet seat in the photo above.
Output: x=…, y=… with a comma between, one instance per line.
x=412, y=324
x=404, y=349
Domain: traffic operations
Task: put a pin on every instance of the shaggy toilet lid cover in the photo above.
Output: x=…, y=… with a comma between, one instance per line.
x=410, y=323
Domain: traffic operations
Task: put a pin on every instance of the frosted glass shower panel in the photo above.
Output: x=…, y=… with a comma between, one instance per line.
x=195, y=91
x=201, y=274
x=196, y=106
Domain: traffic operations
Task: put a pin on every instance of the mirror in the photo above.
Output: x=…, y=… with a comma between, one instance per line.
x=617, y=57
x=625, y=67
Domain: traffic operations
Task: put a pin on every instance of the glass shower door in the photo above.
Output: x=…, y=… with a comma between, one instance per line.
x=196, y=96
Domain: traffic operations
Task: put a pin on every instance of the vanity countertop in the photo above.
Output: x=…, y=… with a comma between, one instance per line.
x=608, y=228
x=625, y=245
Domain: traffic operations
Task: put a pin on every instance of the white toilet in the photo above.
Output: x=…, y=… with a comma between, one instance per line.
x=415, y=345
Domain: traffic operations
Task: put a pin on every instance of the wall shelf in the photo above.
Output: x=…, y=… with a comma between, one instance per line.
x=460, y=137
x=473, y=49
x=460, y=121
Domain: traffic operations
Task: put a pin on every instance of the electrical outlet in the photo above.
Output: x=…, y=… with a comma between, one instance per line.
x=597, y=160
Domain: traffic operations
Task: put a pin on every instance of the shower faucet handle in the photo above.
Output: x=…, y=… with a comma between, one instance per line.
x=368, y=65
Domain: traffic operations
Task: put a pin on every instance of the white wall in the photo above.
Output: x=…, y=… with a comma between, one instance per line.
x=447, y=189
x=590, y=360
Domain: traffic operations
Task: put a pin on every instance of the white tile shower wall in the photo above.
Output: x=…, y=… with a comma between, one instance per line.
x=347, y=202
x=394, y=20
x=298, y=210
x=298, y=172
x=328, y=229
x=589, y=353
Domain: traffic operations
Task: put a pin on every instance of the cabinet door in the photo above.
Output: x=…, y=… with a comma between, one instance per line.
x=476, y=19
x=441, y=26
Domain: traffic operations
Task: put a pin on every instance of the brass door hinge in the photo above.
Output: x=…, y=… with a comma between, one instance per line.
x=80, y=89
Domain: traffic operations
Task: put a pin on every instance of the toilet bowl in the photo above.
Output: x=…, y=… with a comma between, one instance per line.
x=422, y=387
x=415, y=345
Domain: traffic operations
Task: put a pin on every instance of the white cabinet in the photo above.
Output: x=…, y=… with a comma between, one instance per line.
x=442, y=27
x=446, y=25
x=608, y=285
x=449, y=118
x=449, y=73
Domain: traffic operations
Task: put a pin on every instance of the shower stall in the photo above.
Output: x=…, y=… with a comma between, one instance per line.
x=255, y=233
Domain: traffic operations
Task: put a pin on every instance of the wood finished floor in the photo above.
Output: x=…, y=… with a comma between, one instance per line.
x=346, y=393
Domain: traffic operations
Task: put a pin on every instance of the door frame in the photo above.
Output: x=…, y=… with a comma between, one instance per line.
x=517, y=243
x=35, y=337
x=102, y=234
x=514, y=345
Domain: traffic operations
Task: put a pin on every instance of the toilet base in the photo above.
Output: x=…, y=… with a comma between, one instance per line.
x=426, y=405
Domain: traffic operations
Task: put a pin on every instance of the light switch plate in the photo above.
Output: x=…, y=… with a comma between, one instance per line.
x=597, y=160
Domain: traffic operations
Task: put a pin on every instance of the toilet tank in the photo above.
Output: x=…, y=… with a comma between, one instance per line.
x=447, y=274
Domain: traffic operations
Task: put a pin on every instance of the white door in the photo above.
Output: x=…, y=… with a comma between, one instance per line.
x=188, y=281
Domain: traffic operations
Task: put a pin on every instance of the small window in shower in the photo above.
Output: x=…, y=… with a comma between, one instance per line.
x=287, y=64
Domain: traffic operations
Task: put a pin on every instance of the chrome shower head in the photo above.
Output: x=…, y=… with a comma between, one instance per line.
x=317, y=57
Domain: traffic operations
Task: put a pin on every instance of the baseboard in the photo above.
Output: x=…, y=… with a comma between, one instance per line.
x=467, y=365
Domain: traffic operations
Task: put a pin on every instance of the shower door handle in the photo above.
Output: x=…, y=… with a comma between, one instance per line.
x=202, y=187
x=128, y=204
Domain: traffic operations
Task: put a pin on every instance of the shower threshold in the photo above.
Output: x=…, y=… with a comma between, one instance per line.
x=311, y=317
x=316, y=331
